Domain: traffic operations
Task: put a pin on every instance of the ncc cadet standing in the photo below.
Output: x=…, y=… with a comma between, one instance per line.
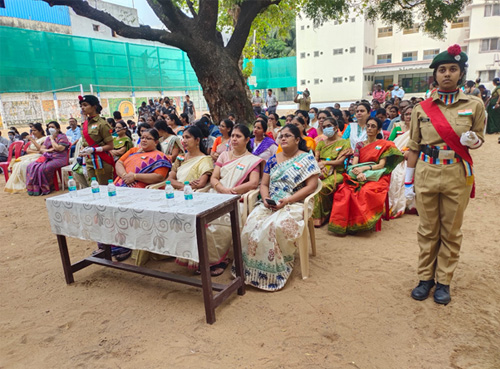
x=97, y=141
x=443, y=129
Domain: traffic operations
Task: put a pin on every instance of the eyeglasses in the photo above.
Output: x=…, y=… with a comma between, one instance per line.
x=145, y=138
x=285, y=136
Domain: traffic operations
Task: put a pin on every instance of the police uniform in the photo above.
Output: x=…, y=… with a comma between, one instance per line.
x=442, y=184
x=99, y=131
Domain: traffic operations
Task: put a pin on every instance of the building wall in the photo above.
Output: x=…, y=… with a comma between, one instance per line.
x=364, y=66
x=36, y=11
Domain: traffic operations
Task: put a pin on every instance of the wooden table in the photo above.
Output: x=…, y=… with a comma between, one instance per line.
x=230, y=206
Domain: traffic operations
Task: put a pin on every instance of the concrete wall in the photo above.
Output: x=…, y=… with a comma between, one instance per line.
x=34, y=25
x=23, y=108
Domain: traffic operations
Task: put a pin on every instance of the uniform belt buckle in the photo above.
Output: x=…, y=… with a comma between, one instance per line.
x=446, y=154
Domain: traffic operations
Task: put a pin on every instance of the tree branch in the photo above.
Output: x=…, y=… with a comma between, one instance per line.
x=83, y=8
x=208, y=14
x=191, y=8
x=249, y=10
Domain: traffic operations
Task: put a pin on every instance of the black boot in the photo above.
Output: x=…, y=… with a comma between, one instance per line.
x=421, y=292
x=442, y=294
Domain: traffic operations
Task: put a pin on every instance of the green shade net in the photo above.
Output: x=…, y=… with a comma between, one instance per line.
x=33, y=61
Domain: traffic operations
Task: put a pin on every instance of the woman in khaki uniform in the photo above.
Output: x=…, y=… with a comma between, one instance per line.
x=443, y=129
x=97, y=141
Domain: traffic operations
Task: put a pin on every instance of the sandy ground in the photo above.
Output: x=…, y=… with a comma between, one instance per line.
x=353, y=312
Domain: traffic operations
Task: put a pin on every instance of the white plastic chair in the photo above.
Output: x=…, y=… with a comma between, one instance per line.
x=251, y=199
x=72, y=160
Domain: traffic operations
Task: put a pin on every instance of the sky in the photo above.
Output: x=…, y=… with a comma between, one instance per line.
x=146, y=14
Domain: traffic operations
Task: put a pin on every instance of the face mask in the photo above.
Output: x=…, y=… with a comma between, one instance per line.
x=11, y=137
x=396, y=88
x=52, y=131
x=311, y=116
x=329, y=131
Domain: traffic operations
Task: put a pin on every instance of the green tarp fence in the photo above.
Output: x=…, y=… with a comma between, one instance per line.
x=33, y=61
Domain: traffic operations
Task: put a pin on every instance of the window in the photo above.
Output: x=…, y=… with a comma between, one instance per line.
x=409, y=56
x=351, y=78
x=366, y=49
x=414, y=83
x=316, y=81
x=2, y=3
x=430, y=54
x=373, y=51
x=113, y=33
x=385, y=81
x=384, y=58
x=465, y=49
x=302, y=55
x=337, y=51
x=369, y=50
x=385, y=32
x=488, y=75
x=491, y=10
x=337, y=79
x=302, y=82
x=335, y=23
x=460, y=23
x=353, y=20
x=352, y=49
x=316, y=54
x=95, y=27
x=490, y=44
x=409, y=31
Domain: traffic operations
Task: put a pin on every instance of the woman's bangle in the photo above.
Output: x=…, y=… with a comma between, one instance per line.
x=215, y=187
x=135, y=176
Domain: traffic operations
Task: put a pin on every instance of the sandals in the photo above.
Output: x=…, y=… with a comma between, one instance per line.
x=217, y=269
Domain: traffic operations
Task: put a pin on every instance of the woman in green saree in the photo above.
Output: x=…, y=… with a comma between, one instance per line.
x=330, y=155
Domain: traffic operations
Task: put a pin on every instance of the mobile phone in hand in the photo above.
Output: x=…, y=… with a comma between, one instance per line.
x=271, y=202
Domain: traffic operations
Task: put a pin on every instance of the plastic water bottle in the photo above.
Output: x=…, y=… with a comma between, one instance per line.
x=95, y=189
x=188, y=193
x=169, y=192
x=72, y=187
x=111, y=191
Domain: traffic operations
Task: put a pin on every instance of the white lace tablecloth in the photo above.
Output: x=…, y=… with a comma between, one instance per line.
x=137, y=219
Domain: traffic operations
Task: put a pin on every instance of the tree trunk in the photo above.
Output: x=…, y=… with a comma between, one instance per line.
x=224, y=86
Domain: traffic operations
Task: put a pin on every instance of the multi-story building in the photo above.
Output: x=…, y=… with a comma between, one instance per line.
x=341, y=61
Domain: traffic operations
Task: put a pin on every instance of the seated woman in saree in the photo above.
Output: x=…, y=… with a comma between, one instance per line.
x=222, y=143
x=262, y=146
x=17, y=180
x=398, y=203
x=143, y=165
x=356, y=132
x=123, y=140
x=170, y=143
x=270, y=234
x=195, y=167
x=174, y=123
x=359, y=202
x=236, y=172
x=300, y=123
x=330, y=155
x=404, y=126
x=40, y=173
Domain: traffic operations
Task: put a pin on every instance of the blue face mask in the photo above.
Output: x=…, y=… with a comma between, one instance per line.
x=311, y=116
x=329, y=131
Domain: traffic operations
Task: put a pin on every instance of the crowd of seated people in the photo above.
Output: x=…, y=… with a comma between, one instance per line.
x=353, y=152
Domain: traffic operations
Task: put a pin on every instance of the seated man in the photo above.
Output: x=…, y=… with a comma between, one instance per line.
x=74, y=133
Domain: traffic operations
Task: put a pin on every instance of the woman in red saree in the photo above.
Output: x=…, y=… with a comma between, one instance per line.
x=359, y=202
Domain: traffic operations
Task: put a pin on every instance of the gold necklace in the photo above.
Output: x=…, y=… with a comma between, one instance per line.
x=237, y=156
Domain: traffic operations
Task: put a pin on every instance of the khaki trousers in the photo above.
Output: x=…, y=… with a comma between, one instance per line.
x=102, y=175
x=441, y=198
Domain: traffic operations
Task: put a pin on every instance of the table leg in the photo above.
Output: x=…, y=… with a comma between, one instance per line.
x=63, y=249
x=206, y=278
x=238, y=259
x=107, y=251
